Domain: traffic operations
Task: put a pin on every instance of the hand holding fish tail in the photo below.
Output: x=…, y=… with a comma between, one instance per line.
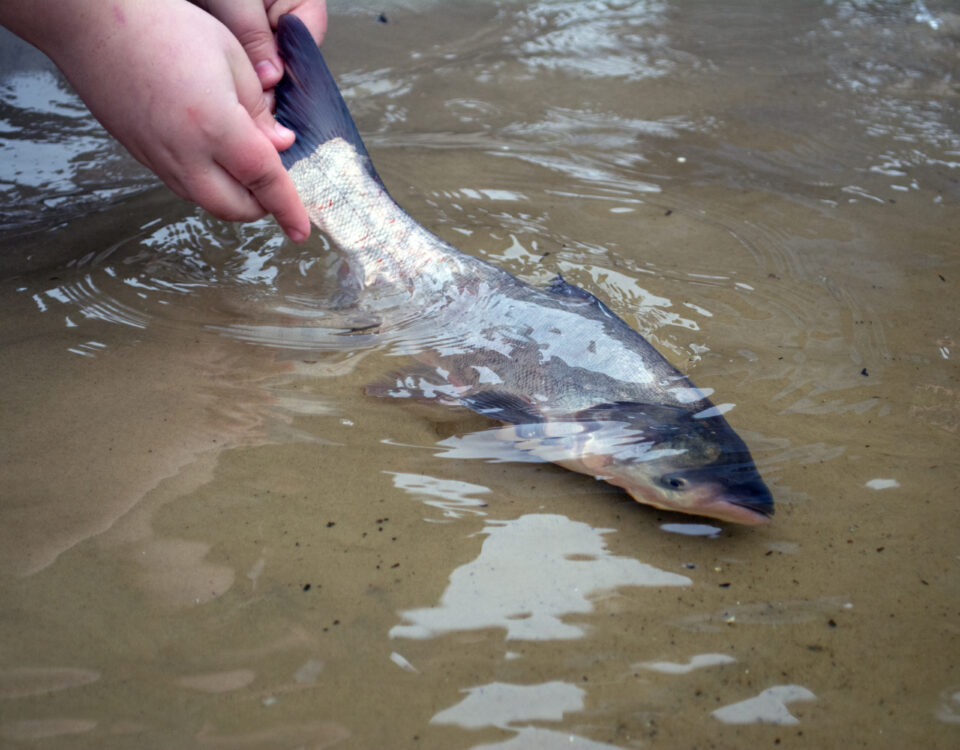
x=179, y=91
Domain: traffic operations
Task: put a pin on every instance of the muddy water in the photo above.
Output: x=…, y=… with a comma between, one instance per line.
x=210, y=536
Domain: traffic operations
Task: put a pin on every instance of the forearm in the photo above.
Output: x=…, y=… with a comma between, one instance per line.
x=51, y=25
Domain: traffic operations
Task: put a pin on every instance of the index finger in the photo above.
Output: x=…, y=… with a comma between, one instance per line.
x=249, y=157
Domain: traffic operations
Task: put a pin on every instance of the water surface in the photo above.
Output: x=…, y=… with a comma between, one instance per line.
x=211, y=536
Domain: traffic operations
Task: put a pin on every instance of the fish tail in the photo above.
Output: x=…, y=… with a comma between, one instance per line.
x=308, y=100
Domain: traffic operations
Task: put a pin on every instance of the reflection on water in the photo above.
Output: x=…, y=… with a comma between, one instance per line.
x=507, y=707
x=499, y=704
x=949, y=711
x=769, y=707
x=55, y=160
x=449, y=495
x=491, y=445
x=697, y=661
x=212, y=536
x=601, y=39
x=691, y=529
x=531, y=572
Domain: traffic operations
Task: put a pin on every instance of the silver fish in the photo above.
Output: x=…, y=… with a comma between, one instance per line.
x=574, y=383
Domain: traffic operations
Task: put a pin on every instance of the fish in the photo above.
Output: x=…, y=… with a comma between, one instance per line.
x=569, y=381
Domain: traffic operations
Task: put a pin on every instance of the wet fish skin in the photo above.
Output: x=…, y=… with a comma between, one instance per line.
x=574, y=383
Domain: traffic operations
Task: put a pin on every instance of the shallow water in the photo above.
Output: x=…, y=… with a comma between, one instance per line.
x=210, y=536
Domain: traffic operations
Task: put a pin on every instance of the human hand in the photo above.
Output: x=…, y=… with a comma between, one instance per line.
x=253, y=22
x=179, y=91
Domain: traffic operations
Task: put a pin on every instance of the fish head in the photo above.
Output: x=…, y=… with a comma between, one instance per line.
x=667, y=457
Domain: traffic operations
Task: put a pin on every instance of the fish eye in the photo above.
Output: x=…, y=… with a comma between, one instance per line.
x=673, y=482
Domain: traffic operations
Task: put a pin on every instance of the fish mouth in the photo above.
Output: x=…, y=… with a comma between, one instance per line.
x=735, y=512
x=749, y=510
x=737, y=494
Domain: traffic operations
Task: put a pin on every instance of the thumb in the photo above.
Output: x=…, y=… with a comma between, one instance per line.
x=247, y=20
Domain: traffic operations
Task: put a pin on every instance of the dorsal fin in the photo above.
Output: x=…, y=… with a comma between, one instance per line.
x=308, y=100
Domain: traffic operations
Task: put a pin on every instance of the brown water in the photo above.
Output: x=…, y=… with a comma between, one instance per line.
x=211, y=537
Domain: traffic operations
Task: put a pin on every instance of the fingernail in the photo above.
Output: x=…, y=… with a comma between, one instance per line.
x=266, y=70
x=283, y=131
x=296, y=235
